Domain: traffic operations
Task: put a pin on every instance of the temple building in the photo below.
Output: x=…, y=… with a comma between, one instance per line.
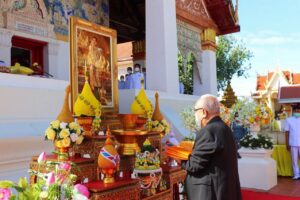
x=36, y=33
x=268, y=87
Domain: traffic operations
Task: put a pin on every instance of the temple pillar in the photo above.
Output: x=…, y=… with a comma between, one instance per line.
x=161, y=48
x=5, y=46
x=209, y=64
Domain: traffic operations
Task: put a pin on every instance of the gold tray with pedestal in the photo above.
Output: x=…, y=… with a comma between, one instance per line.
x=129, y=140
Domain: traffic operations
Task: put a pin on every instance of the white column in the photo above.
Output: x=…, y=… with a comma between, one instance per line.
x=161, y=46
x=208, y=69
x=209, y=73
x=198, y=75
x=5, y=46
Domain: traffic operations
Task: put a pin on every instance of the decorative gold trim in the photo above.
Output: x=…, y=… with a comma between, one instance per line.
x=208, y=39
x=101, y=30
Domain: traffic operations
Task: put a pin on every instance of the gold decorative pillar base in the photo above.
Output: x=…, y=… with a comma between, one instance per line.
x=208, y=39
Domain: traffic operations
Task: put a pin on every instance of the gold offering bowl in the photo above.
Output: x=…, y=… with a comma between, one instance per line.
x=128, y=121
x=129, y=140
x=86, y=123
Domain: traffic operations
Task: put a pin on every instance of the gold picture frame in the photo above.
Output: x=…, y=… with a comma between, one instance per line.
x=93, y=52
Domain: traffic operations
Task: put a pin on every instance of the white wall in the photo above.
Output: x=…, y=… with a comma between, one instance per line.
x=28, y=105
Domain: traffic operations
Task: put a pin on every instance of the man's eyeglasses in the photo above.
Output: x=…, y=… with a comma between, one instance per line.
x=196, y=109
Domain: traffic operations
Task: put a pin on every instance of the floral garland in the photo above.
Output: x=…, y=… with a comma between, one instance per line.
x=256, y=141
x=160, y=126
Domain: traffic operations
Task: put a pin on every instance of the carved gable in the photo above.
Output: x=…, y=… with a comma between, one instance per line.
x=194, y=12
x=194, y=7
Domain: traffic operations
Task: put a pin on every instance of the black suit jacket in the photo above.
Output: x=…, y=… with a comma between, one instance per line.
x=212, y=170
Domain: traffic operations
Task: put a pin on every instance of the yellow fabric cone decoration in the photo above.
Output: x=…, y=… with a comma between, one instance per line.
x=157, y=116
x=86, y=103
x=65, y=114
x=141, y=105
x=18, y=69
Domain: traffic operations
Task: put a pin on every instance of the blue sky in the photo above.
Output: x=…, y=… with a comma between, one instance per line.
x=271, y=30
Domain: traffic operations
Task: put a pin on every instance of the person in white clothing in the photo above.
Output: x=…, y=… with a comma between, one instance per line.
x=292, y=130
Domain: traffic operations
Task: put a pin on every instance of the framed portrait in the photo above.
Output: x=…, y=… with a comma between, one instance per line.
x=93, y=55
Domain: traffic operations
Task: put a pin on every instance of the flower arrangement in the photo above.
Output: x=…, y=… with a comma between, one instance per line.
x=262, y=114
x=255, y=141
x=250, y=112
x=64, y=135
x=160, y=126
x=51, y=186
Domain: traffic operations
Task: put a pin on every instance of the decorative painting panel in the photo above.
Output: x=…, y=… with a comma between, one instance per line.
x=95, y=11
x=93, y=53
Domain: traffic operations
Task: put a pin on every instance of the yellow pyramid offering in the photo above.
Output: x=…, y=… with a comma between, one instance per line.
x=141, y=105
x=86, y=103
x=65, y=114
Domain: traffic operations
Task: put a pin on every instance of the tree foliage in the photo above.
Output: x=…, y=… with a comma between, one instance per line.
x=185, y=66
x=232, y=59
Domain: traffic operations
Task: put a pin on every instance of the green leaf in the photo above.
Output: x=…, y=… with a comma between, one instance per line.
x=6, y=184
x=23, y=182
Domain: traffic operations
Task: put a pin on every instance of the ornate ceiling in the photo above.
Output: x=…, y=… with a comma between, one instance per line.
x=128, y=16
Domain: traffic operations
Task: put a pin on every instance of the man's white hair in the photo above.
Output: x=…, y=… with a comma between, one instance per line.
x=210, y=103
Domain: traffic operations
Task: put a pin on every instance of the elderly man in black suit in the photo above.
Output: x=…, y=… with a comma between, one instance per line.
x=212, y=170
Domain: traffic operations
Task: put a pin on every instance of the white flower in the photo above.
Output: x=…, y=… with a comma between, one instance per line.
x=78, y=196
x=63, y=125
x=73, y=137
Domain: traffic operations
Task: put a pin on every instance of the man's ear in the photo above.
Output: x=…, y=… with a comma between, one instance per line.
x=205, y=113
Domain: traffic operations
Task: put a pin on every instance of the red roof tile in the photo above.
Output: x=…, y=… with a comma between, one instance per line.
x=296, y=78
x=261, y=82
x=290, y=92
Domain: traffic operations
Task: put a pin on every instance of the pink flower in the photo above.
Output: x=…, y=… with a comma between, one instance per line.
x=51, y=179
x=4, y=194
x=42, y=157
x=66, y=166
x=82, y=190
x=61, y=178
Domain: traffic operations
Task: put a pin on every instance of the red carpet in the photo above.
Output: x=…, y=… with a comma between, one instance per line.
x=250, y=195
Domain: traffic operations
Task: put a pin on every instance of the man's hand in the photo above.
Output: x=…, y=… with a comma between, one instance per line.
x=288, y=147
